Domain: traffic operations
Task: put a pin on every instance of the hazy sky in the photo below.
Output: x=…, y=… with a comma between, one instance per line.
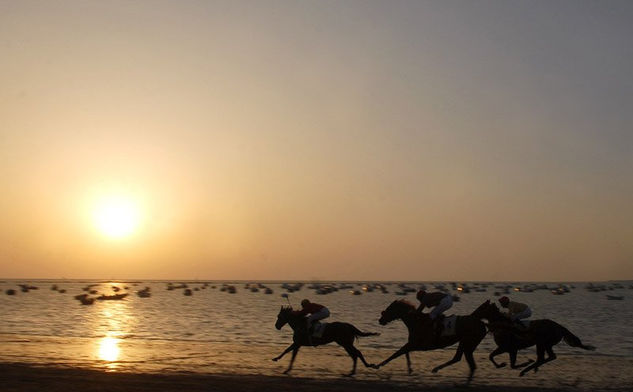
x=391, y=140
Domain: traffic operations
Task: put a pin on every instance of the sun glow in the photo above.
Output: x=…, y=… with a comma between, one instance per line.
x=116, y=217
x=109, y=349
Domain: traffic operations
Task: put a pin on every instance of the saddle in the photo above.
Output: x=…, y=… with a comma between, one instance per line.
x=316, y=330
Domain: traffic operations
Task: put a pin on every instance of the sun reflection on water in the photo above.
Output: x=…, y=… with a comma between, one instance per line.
x=114, y=321
x=109, y=349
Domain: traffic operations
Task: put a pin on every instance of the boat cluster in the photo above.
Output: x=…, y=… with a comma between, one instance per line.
x=86, y=299
x=187, y=291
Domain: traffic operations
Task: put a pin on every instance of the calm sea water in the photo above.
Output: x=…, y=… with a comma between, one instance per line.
x=213, y=329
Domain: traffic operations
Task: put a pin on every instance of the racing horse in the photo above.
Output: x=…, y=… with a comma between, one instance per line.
x=543, y=333
x=342, y=333
x=469, y=332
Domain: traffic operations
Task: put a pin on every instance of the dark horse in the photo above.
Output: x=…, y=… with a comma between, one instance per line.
x=341, y=333
x=469, y=331
x=543, y=333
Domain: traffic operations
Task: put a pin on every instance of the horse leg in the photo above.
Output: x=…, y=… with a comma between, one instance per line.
x=493, y=354
x=360, y=355
x=471, y=364
x=540, y=352
x=550, y=354
x=513, y=360
x=456, y=358
x=403, y=350
x=409, y=369
x=286, y=351
x=295, y=350
x=353, y=352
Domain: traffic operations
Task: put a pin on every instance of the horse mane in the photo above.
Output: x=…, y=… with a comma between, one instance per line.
x=405, y=302
x=286, y=308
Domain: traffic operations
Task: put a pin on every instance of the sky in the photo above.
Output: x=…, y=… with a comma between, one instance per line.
x=333, y=140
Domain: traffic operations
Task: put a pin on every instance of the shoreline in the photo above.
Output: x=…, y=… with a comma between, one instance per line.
x=29, y=377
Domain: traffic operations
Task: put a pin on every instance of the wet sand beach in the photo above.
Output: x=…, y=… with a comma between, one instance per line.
x=571, y=373
x=20, y=377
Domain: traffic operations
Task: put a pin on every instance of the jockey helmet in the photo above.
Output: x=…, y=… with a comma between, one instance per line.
x=420, y=294
x=305, y=302
x=504, y=300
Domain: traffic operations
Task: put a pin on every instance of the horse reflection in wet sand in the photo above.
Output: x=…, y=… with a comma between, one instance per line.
x=342, y=333
x=542, y=333
x=469, y=332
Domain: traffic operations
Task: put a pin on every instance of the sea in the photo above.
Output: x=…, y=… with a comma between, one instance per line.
x=214, y=330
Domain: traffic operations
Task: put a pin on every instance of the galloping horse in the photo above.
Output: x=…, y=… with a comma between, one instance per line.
x=469, y=331
x=341, y=333
x=542, y=333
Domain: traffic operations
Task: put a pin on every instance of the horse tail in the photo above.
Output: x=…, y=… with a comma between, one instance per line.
x=358, y=333
x=574, y=340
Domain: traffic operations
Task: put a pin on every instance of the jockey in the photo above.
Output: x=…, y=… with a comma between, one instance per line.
x=440, y=302
x=316, y=312
x=516, y=310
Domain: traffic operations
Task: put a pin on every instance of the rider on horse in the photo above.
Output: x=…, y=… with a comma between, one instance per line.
x=316, y=312
x=516, y=311
x=440, y=302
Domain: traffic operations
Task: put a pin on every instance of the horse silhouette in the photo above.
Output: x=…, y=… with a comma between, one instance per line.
x=342, y=333
x=543, y=333
x=469, y=332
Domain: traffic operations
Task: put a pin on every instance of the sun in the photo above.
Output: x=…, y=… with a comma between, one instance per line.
x=116, y=216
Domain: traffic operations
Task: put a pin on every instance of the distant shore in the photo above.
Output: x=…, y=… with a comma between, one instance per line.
x=20, y=377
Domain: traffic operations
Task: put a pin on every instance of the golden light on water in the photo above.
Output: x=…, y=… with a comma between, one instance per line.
x=114, y=321
x=109, y=349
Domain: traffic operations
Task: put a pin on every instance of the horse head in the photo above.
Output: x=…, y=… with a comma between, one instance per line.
x=394, y=311
x=487, y=310
x=283, y=316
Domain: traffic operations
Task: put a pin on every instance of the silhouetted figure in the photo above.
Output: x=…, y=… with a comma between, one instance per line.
x=343, y=334
x=469, y=331
x=543, y=333
x=516, y=311
x=315, y=311
x=440, y=302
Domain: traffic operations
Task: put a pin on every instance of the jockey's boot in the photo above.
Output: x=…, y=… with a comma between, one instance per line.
x=439, y=326
x=519, y=325
x=309, y=331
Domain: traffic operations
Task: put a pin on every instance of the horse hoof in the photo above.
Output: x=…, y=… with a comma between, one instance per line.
x=275, y=359
x=410, y=372
x=435, y=370
x=499, y=366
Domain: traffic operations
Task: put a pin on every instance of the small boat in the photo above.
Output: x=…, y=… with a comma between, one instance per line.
x=10, y=292
x=114, y=297
x=87, y=300
x=615, y=297
x=144, y=293
x=355, y=292
x=268, y=290
x=84, y=299
x=187, y=292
